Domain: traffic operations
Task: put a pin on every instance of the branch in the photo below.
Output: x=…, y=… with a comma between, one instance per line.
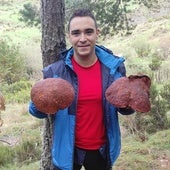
x=1, y=140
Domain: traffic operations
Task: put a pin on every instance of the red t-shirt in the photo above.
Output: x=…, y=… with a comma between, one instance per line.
x=90, y=129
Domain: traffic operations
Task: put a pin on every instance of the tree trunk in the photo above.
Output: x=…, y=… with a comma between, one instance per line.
x=53, y=31
x=53, y=42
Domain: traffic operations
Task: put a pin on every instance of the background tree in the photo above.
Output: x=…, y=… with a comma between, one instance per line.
x=30, y=14
x=53, y=42
x=113, y=16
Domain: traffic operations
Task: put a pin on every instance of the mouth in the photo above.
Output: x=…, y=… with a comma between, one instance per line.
x=82, y=46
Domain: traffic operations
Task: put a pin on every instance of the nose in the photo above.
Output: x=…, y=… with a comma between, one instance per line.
x=83, y=37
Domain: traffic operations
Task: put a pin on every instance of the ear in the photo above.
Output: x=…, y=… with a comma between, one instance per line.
x=97, y=32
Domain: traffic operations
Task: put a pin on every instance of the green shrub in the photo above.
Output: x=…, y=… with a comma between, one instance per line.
x=28, y=151
x=142, y=48
x=5, y=155
x=12, y=65
x=18, y=92
x=165, y=92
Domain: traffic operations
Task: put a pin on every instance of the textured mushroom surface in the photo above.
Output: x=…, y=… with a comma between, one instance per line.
x=51, y=94
x=132, y=91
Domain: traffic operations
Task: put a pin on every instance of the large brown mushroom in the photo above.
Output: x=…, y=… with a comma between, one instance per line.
x=132, y=91
x=51, y=94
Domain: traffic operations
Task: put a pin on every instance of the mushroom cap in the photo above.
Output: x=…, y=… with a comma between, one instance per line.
x=132, y=91
x=51, y=94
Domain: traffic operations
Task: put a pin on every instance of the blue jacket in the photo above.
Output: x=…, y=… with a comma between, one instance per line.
x=64, y=120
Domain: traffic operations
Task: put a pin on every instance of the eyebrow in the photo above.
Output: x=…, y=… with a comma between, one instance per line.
x=86, y=30
x=75, y=31
x=89, y=29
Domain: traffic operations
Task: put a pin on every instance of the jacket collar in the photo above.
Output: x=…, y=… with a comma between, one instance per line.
x=105, y=56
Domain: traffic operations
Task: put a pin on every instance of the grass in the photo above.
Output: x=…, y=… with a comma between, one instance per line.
x=25, y=153
x=31, y=166
x=20, y=138
x=148, y=155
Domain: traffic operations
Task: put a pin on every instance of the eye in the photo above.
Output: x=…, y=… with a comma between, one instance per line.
x=75, y=33
x=89, y=31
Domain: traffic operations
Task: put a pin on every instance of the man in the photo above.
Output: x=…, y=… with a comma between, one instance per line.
x=86, y=133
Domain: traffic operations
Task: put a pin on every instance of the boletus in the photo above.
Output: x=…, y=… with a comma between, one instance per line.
x=51, y=94
x=132, y=91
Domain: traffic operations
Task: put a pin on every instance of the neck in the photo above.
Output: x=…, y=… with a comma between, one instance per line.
x=85, y=61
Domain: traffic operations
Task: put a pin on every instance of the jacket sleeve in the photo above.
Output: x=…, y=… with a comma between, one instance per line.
x=35, y=112
x=122, y=70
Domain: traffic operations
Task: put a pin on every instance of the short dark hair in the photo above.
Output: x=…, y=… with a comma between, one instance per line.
x=82, y=13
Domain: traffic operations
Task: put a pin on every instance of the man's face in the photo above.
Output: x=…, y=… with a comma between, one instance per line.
x=83, y=35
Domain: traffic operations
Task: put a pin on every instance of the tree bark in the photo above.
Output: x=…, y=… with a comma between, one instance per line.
x=53, y=31
x=53, y=42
